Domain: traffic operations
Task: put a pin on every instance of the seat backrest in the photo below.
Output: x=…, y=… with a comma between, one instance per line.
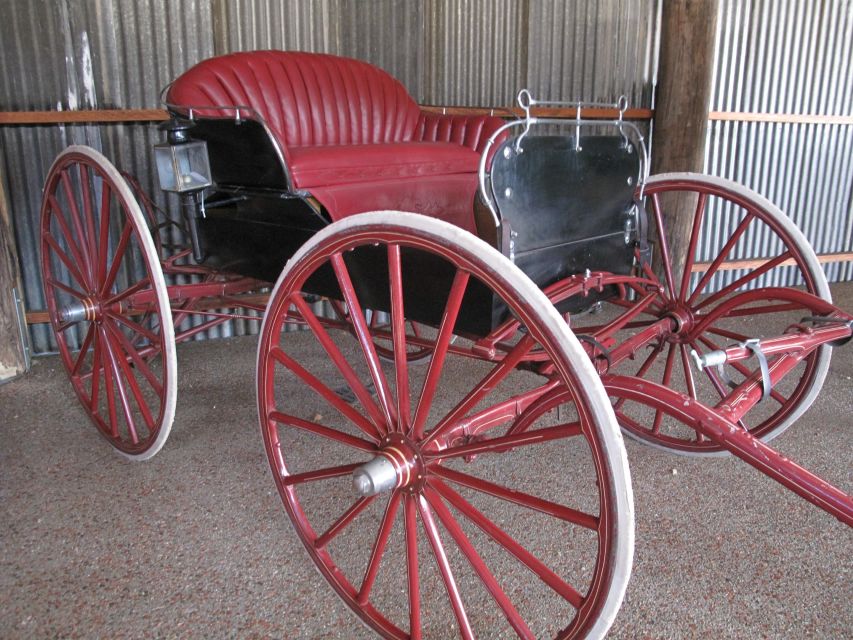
x=305, y=98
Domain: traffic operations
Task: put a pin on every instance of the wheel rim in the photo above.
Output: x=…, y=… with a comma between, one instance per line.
x=107, y=302
x=752, y=222
x=436, y=527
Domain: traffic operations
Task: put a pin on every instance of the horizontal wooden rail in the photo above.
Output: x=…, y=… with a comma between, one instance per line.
x=91, y=115
x=156, y=115
x=701, y=267
x=782, y=118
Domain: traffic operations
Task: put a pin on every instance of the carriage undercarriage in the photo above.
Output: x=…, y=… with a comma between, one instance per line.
x=392, y=475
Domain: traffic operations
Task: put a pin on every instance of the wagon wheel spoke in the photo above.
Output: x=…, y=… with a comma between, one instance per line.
x=116, y=376
x=72, y=241
x=88, y=217
x=445, y=333
x=120, y=250
x=520, y=498
x=365, y=340
x=141, y=332
x=84, y=349
x=412, y=571
x=447, y=576
x=325, y=432
x=104, y=232
x=720, y=257
x=341, y=363
x=398, y=329
x=698, y=216
x=97, y=364
x=143, y=285
x=83, y=244
x=73, y=271
x=379, y=546
x=343, y=521
x=133, y=355
x=121, y=359
x=745, y=279
x=56, y=284
x=482, y=388
x=320, y=474
x=664, y=246
x=665, y=381
x=463, y=543
x=557, y=584
x=327, y=394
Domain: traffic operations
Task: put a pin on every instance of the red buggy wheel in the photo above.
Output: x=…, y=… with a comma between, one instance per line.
x=718, y=295
x=107, y=302
x=465, y=498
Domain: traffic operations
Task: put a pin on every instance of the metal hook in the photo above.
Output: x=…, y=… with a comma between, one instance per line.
x=525, y=101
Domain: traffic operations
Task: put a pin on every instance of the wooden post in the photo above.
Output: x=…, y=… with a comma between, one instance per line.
x=682, y=101
x=12, y=356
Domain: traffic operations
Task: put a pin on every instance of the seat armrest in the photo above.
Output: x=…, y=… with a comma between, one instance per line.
x=470, y=131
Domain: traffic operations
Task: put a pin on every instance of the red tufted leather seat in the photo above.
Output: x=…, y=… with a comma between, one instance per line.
x=350, y=133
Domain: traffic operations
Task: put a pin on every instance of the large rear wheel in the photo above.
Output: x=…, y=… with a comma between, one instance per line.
x=465, y=498
x=107, y=302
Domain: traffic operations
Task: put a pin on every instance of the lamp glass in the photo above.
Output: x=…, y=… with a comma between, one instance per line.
x=183, y=167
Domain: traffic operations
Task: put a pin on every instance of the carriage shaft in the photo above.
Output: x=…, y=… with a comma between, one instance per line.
x=720, y=429
x=792, y=350
x=772, y=463
x=792, y=343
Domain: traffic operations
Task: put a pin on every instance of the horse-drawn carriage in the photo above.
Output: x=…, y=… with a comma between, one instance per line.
x=461, y=315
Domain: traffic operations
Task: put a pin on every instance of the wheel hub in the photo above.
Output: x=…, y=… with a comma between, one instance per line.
x=86, y=309
x=684, y=320
x=397, y=465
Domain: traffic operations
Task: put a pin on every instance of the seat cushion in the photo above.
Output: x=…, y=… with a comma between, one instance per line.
x=318, y=166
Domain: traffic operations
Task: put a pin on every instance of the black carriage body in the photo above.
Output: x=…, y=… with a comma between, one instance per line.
x=561, y=211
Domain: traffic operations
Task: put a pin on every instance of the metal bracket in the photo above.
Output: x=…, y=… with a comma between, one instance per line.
x=596, y=345
x=754, y=345
x=718, y=359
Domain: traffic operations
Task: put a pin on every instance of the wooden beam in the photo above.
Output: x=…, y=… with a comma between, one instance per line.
x=13, y=358
x=782, y=118
x=159, y=115
x=682, y=101
x=755, y=263
x=91, y=115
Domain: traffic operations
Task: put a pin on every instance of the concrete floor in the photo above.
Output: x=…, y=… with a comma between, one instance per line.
x=194, y=543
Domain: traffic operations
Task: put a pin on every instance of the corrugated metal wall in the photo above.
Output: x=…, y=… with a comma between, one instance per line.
x=81, y=54
x=788, y=58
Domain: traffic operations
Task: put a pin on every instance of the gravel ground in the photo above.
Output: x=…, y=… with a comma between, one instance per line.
x=194, y=543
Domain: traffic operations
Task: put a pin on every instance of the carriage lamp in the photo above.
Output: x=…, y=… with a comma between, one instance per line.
x=183, y=167
x=182, y=163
